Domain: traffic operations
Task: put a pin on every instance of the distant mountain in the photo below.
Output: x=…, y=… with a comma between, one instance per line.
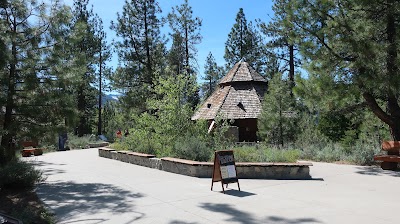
x=109, y=97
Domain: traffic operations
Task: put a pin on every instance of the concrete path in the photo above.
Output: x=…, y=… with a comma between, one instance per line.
x=81, y=188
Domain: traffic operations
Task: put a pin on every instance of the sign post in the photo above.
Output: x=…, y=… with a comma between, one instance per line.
x=224, y=169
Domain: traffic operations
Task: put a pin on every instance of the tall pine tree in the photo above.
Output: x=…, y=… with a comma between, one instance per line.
x=281, y=44
x=245, y=42
x=213, y=73
x=186, y=35
x=84, y=48
x=354, y=42
x=277, y=122
x=29, y=90
x=140, y=50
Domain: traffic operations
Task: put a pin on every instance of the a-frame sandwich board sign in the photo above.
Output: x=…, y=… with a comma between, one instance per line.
x=224, y=169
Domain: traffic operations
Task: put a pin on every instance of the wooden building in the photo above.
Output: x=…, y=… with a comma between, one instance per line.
x=239, y=97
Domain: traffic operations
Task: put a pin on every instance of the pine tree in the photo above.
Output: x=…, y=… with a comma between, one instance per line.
x=245, y=42
x=187, y=28
x=213, y=73
x=186, y=35
x=277, y=122
x=29, y=90
x=281, y=42
x=103, y=55
x=141, y=51
x=83, y=49
x=354, y=42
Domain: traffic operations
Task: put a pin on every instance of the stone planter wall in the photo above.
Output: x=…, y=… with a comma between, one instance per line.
x=97, y=145
x=204, y=169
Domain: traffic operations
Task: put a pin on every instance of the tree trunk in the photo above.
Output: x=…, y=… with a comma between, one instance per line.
x=81, y=109
x=291, y=69
x=188, y=71
x=7, y=151
x=149, y=77
x=100, y=95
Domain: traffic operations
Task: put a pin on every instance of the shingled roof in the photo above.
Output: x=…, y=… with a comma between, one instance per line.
x=238, y=96
x=242, y=72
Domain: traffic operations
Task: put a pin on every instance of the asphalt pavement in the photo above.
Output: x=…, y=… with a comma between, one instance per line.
x=82, y=187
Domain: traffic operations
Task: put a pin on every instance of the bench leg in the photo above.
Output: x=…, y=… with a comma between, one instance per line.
x=38, y=152
x=389, y=166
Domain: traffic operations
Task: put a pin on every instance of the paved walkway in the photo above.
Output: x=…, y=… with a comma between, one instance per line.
x=84, y=188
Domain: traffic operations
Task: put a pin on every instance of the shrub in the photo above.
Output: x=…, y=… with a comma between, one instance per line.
x=248, y=154
x=264, y=153
x=363, y=154
x=281, y=155
x=75, y=142
x=192, y=148
x=19, y=174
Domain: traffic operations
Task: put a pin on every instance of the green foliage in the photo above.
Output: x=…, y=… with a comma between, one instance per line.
x=18, y=174
x=358, y=153
x=245, y=42
x=263, y=153
x=277, y=122
x=26, y=215
x=32, y=84
x=363, y=154
x=186, y=34
x=115, y=118
x=338, y=44
x=334, y=126
x=157, y=132
x=140, y=58
x=193, y=148
x=213, y=73
x=80, y=142
x=84, y=45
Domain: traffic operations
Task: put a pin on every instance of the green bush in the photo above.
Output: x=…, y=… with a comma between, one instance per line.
x=264, y=153
x=281, y=155
x=75, y=142
x=363, y=154
x=247, y=154
x=19, y=174
x=192, y=148
x=356, y=153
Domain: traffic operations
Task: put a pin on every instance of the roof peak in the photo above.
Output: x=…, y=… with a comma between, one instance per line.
x=242, y=72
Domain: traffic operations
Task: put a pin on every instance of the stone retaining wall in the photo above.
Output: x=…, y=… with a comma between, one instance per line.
x=97, y=145
x=204, y=169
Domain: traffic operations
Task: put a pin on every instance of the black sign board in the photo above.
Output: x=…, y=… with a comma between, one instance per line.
x=224, y=169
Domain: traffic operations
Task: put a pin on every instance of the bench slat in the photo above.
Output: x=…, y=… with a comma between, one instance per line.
x=387, y=158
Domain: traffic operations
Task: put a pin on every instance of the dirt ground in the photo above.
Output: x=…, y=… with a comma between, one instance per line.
x=25, y=206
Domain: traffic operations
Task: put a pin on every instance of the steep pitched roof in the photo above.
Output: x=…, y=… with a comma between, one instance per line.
x=242, y=72
x=238, y=95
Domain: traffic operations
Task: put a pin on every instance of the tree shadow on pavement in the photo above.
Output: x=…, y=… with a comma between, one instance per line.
x=181, y=222
x=68, y=198
x=376, y=171
x=277, y=219
x=238, y=216
x=47, y=168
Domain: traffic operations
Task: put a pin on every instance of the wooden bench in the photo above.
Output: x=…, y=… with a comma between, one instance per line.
x=392, y=158
x=30, y=148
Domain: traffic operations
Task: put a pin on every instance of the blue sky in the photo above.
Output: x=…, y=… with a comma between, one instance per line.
x=218, y=17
